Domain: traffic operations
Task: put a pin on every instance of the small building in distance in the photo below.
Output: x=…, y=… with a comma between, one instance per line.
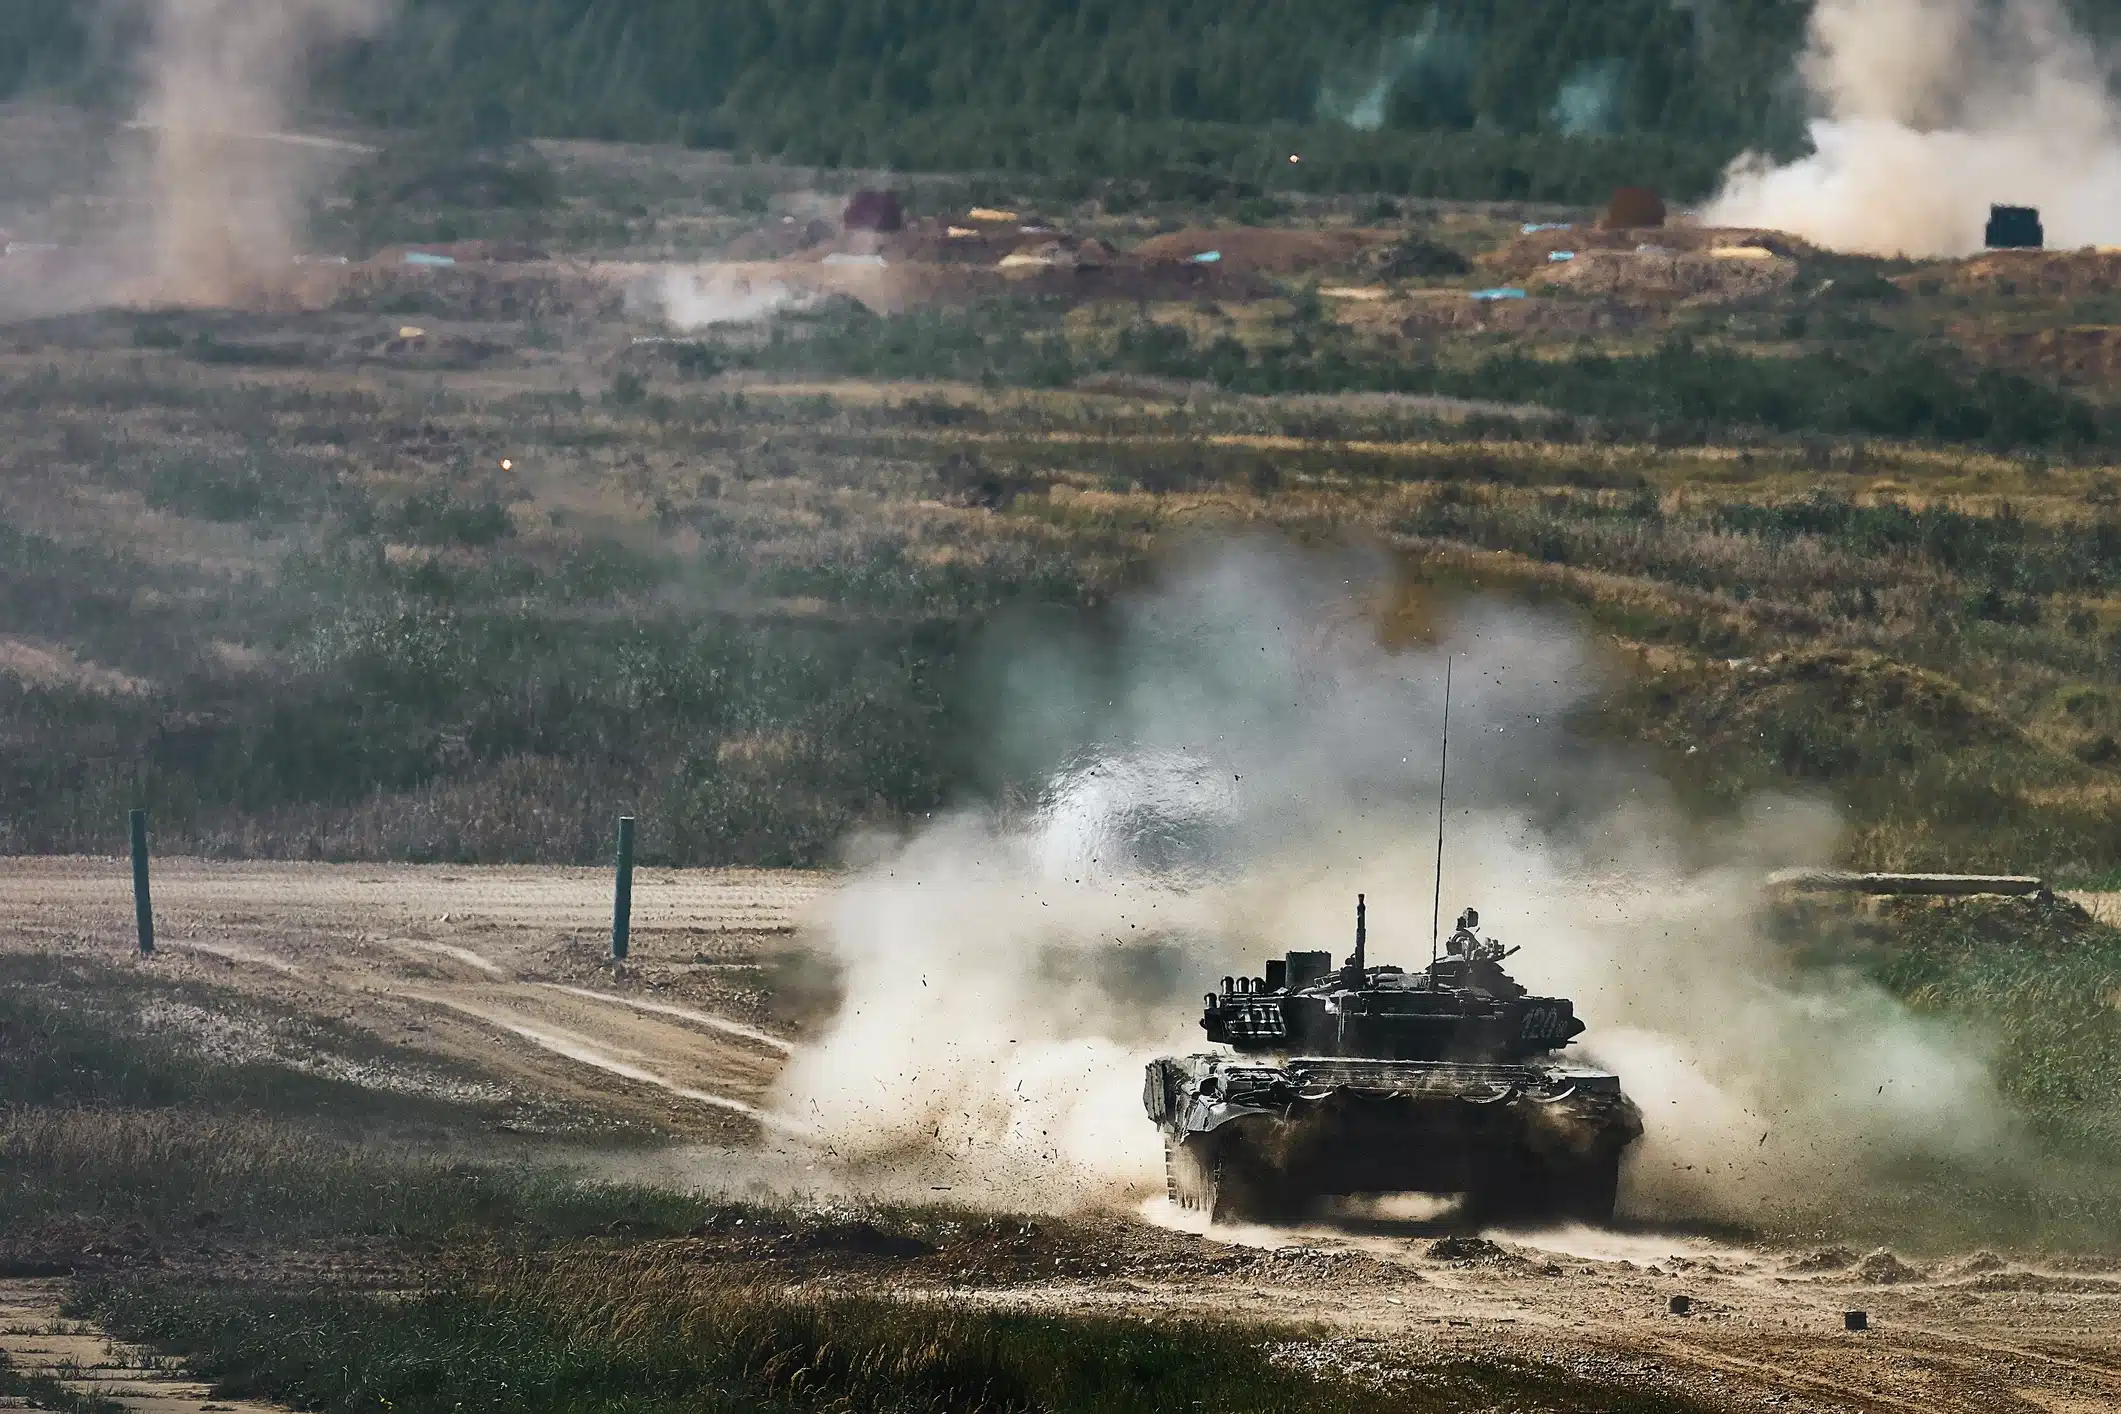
x=2014, y=228
x=1633, y=208
x=870, y=210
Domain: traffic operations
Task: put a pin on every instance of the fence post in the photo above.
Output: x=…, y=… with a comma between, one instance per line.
x=143, y=908
x=622, y=894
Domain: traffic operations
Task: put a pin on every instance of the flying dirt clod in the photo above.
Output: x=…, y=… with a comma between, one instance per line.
x=1368, y=1079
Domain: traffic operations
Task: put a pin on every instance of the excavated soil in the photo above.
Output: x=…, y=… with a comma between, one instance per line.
x=1264, y=250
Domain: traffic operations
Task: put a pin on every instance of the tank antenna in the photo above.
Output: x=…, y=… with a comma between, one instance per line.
x=1443, y=767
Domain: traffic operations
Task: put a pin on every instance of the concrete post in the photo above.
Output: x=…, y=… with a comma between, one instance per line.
x=622, y=895
x=143, y=908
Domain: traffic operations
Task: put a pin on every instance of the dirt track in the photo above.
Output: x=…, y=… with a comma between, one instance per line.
x=502, y=976
x=504, y=972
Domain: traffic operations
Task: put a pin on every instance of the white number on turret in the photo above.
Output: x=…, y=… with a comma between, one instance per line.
x=1256, y=1021
x=1544, y=1023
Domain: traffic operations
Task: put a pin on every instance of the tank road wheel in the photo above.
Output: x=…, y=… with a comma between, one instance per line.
x=1588, y=1190
x=1190, y=1175
x=1214, y=1174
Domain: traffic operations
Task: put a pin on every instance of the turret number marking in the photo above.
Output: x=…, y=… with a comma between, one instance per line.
x=1545, y=1023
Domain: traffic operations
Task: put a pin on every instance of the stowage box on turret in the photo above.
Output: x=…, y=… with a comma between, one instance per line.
x=1360, y=1079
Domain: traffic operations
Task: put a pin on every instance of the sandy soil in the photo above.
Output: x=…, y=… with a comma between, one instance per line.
x=503, y=973
x=36, y=1341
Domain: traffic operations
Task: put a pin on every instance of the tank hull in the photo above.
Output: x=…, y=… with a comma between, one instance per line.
x=1246, y=1139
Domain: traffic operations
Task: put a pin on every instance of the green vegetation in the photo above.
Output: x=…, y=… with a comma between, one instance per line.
x=761, y=622
x=654, y=1333
x=1539, y=99
x=2045, y=984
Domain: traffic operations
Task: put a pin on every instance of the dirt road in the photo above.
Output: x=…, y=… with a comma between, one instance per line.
x=505, y=973
x=500, y=977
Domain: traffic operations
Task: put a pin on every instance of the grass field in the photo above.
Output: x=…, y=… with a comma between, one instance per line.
x=307, y=589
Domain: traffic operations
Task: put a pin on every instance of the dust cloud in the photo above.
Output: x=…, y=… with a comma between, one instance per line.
x=689, y=298
x=208, y=204
x=1224, y=772
x=1929, y=112
x=221, y=78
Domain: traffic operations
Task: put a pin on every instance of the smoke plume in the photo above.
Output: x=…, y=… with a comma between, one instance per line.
x=221, y=78
x=699, y=298
x=1428, y=73
x=207, y=207
x=1929, y=112
x=1223, y=776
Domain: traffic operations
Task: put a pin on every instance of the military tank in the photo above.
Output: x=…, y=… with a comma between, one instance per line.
x=1361, y=1079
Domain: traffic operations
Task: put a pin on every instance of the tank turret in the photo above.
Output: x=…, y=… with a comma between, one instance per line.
x=1362, y=1078
x=1461, y=1007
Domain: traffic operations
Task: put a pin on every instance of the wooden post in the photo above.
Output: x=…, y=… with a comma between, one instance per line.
x=143, y=908
x=622, y=895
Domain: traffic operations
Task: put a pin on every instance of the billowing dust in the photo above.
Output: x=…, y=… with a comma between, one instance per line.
x=208, y=209
x=1222, y=775
x=222, y=77
x=1929, y=111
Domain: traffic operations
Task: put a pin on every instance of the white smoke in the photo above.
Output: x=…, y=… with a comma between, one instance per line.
x=690, y=298
x=1246, y=759
x=1433, y=65
x=1929, y=112
x=1586, y=103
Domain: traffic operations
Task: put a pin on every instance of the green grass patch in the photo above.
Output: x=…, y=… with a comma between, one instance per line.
x=655, y=1333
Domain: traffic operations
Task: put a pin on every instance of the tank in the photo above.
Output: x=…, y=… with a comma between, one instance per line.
x=1360, y=1079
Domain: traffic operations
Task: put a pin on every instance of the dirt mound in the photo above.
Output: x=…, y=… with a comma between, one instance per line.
x=1980, y=1264
x=1826, y=1259
x=1415, y=258
x=2090, y=271
x=1125, y=279
x=1528, y=254
x=1668, y=276
x=2088, y=355
x=1265, y=251
x=1882, y=1268
x=1469, y=1249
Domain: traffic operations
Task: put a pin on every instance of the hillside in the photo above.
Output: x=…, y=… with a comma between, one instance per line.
x=1565, y=99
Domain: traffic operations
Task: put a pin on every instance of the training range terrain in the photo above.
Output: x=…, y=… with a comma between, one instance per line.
x=497, y=981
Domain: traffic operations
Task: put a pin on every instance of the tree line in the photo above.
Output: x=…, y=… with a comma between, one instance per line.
x=1670, y=90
